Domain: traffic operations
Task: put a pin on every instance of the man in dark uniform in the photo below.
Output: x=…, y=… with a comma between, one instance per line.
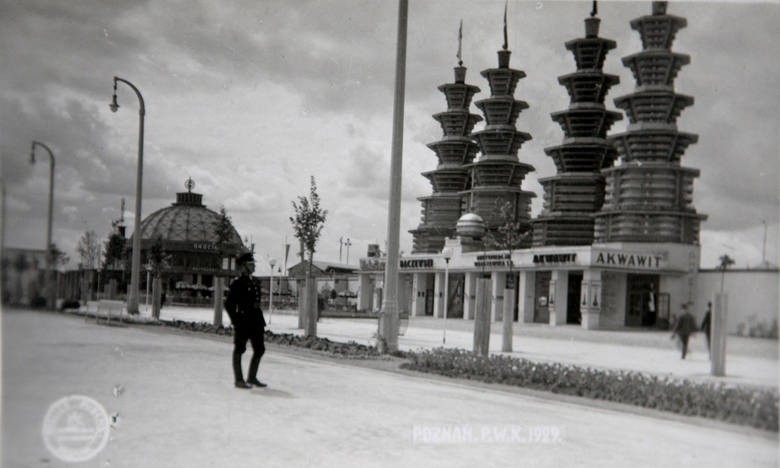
x=243, y=308
x=684, y=328
x=706, y=324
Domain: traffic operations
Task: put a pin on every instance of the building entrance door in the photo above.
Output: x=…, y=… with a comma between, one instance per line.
x=573, y=299
x=429, y=302
x=641, y=309
x=455, y=293
x=541, y=293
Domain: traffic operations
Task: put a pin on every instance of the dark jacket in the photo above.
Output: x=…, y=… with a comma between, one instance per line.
x=705, y=324
x=243, y=303
x=686, y=325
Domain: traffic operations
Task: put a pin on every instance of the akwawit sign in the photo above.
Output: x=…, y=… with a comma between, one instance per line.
x=647, y=261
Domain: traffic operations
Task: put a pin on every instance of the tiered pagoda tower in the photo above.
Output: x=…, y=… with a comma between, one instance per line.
x=441, y=210
x=497, y=175
x=577, y=191
x=649, y=196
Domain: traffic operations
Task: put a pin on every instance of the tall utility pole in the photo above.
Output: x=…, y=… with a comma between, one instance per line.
x=389, y=320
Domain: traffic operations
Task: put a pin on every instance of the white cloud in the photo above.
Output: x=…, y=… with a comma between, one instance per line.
x=250, y=99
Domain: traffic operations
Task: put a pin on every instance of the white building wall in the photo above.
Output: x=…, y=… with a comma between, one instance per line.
x=613, y=300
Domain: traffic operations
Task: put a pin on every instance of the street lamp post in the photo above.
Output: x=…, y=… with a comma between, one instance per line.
x=348, y=243
x=447, y=254
x=271, y=262
x=132, y=301
x=49, y=259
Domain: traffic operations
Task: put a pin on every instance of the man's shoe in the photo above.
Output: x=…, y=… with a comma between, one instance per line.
x=242, y=384
x=257, y=383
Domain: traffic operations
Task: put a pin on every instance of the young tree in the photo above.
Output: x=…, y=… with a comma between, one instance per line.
x=158, y=261
x=307, y=224
x=222, y=228
x=114, y=249
x=57, y=257
x=89, y=250
x=511, y=234
x=725, y=262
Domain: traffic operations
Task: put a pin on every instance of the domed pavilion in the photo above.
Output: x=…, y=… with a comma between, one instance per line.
x=199, y=245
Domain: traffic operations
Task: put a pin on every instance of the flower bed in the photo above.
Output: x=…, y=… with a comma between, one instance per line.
x=733, y=404
x=351, y=350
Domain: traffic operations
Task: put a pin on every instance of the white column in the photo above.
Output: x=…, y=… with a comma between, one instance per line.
x=590, y=299
x=419, y=285
x=366, y=291
x=438, y=295
x=470, y=295
x=498, y=281
x=719, y=327
x=558, y=297
x=525, y=297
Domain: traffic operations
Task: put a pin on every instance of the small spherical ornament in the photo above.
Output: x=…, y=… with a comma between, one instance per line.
x=470, y=225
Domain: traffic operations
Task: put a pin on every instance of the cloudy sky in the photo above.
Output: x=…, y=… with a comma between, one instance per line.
x=251, y=98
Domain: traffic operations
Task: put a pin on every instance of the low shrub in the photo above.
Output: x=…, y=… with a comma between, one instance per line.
x=351, y=350
x=734, y=404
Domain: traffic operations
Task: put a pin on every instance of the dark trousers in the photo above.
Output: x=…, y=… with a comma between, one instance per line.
x=684, y=341
x=255, y=336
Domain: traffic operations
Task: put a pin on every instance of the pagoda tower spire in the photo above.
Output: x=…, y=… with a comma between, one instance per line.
x=442, y=209
x=649, y=196
x=576, y=192
x=497, y=175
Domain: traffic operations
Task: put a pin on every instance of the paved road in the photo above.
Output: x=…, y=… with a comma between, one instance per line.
x=177, y=408
x=750, y=361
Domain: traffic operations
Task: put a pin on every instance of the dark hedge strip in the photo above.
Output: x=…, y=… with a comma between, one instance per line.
x=349, y=350
x=734, y=404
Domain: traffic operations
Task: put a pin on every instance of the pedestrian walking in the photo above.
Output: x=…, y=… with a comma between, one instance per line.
x=684, y=327
x=706, y=325
x=243, y=308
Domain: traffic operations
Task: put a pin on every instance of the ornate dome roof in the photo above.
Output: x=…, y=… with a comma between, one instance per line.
x=187, y=220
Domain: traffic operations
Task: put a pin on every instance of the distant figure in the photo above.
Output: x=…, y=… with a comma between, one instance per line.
x=706, y=323
x=684, y=327
x=243, y=308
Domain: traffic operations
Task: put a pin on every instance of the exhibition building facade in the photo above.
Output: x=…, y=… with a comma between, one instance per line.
x=617, y=241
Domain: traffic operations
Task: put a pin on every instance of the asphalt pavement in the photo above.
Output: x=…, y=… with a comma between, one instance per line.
x=170, y=401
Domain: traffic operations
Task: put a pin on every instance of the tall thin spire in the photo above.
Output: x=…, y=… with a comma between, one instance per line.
x=460, y=43
x=595, y=10
x=506, y=40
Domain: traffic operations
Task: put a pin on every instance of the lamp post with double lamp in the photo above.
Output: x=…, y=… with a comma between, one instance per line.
x=49, y=259
x=446, y=252
x=271, y=262
x=348, y=243
x=132, y=300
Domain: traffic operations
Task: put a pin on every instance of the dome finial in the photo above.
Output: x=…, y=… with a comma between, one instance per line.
x=189, y=184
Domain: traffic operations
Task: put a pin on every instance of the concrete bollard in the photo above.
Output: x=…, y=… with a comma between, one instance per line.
x=718, y=328
x=482, y=318
x=508, y=315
